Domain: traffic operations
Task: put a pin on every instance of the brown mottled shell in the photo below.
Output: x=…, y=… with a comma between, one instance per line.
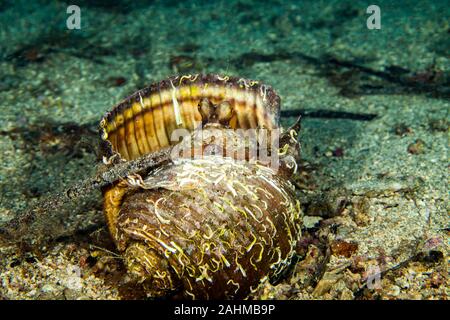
x=207, y=228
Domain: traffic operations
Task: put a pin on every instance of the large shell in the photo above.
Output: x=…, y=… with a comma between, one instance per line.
x=209, y=227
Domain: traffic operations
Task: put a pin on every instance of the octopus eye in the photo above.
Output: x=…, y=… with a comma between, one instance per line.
x=206, y=109
x=224, y=112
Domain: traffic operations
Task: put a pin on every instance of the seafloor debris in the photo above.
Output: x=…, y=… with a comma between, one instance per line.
x=355, y=79
x=417, y=147
x=402, y=130
x=183, y=64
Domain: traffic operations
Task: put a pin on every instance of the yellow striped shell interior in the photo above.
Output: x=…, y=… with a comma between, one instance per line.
x=144, y=123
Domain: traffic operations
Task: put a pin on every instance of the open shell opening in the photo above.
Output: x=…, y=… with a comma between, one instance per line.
x=145, y=121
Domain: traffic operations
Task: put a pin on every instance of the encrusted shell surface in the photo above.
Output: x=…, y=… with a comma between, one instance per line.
x=212, y=227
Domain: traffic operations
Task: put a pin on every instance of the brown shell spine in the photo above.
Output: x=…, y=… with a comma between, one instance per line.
x=207, y=227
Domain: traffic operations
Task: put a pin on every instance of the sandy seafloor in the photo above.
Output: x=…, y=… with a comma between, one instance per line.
x=375, y=193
